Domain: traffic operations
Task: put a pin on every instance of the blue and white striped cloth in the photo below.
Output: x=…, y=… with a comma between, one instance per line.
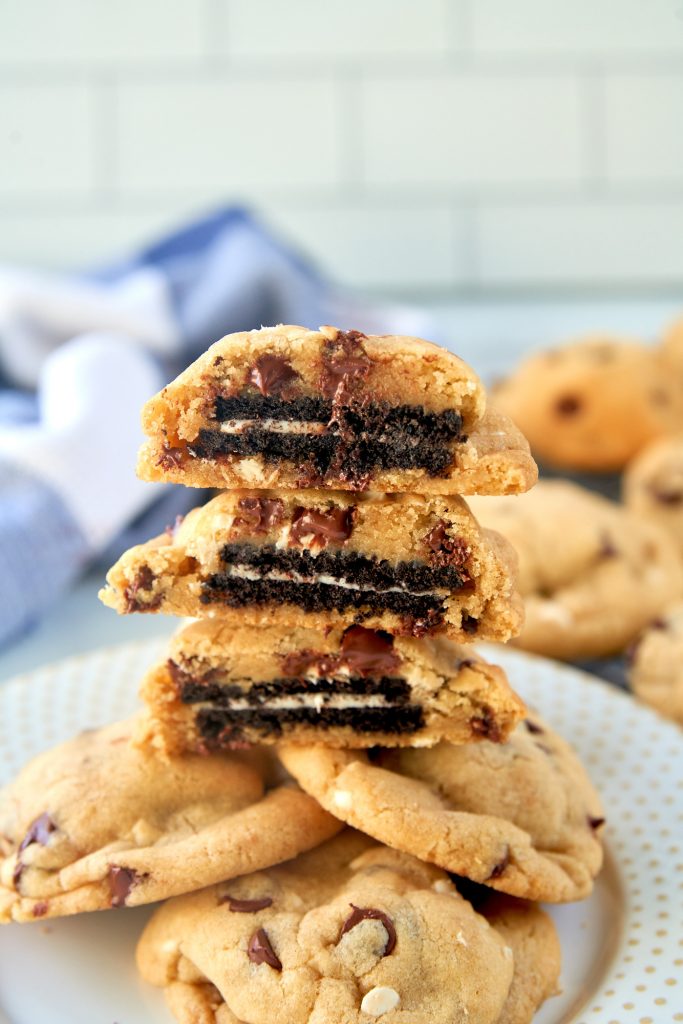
x=79, y=355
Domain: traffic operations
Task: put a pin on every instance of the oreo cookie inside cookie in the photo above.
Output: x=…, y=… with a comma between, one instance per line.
x=347, y=689
x=332, y=580
x=340, y=433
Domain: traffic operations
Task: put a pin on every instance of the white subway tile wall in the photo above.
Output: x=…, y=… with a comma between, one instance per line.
x=445, y=145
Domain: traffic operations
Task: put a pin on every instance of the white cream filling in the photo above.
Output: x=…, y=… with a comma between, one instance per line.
x=274, y=426
x=319, y=701
x=247, y=572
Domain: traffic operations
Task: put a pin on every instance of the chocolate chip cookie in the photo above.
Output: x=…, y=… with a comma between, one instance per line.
x=289, y=407
x=592, y=573
x=653, y=485
x=352, y=688
x=403, y=563
x=350, y=932
x=591, y=404
x=656, y=664
x=521, y=816
x=96, y=823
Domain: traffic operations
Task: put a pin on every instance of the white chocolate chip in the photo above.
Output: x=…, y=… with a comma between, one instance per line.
x=380, y=1000
x=461, y=939
x=342, y=798
x=552, y=611
x=442, y=885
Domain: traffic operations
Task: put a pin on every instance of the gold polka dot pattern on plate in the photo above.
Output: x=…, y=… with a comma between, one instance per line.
x=631, y=755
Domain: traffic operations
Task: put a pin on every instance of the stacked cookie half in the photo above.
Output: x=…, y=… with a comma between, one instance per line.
x=325, y=699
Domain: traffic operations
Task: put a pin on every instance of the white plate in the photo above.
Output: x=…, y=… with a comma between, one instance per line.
x=622, y=948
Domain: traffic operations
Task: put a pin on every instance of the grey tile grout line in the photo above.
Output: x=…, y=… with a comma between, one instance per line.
x=105, y=135
x=593, y=132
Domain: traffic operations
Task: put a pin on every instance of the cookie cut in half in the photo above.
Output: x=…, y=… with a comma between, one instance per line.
x=350, y=932
x=592, y=573
x=289, y=407
x=402, y=563
x=353, y=688
x=96, y=823
x=521, y=816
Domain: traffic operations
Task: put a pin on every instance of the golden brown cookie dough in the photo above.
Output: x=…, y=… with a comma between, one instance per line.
x=402, y=563
x=653, y=486
x=591, y=573
x=350, y=932
x=521, y=817
x=353, y=688
x=289, y=407
x=536, y=954
x=591, y=404
x=96, y=823
x=656, y=664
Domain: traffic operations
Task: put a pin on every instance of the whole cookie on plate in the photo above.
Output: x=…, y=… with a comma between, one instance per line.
x=349, y=932
x=653, y=485
x=96, y=823
x=352, y=688
x=403, y=563
x=590, y=404
x=521, y=816
x=288, y=407
x=591, y=573
x=536, y=954
x=656, y=664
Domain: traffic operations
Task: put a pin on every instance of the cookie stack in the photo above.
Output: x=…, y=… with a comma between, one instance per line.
x=337, y=581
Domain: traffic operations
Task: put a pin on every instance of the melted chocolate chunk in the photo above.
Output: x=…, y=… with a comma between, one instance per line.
x=239, y=906
x=608, y=548
x=595, y=823
x=41, y=908
x=370, y=652
x=334, y=524
x=359, y=914
x=271, y=374
x=568, y=405
x=344, y=363
x=143, y=580
x=171, y=458
x=532, y=727
x=665, y=497
x=486, y=726
x=259, y=514
x=500, y=867
x=446, y=550
x=260, y=950
x=39, y=831
x=121, y=881
x=425, y=624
